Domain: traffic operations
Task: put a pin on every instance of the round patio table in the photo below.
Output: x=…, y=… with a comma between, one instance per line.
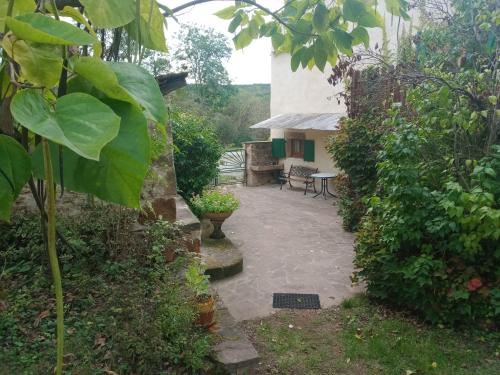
x=324, y=183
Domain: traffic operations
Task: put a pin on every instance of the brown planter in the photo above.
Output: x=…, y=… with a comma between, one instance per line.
x=217, y=219
x=206, y=312
x=169, y=255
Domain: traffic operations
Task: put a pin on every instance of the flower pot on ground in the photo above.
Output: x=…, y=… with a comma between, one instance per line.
x=164, y=240
x=203, y=299
x=217, y=219
x=169, y=254
x=216, y=206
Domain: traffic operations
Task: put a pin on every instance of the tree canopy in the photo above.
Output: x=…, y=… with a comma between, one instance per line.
x=202, y=51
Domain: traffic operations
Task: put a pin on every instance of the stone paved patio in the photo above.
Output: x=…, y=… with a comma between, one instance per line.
x=290, y=243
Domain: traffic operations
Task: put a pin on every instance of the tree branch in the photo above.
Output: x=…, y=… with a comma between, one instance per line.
x=273, y=14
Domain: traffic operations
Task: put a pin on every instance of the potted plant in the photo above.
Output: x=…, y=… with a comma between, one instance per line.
x=216, y=206
x=163, y=236
x=204, y=301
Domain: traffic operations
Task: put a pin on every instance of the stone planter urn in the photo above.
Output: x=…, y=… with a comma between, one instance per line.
x=217, y=219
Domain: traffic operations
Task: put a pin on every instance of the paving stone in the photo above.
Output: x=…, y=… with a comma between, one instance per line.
x=234, y=351
x=290, y=243
x=222, y=258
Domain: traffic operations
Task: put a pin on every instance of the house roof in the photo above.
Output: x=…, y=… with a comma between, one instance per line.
x=171, y=81
x=318, y=121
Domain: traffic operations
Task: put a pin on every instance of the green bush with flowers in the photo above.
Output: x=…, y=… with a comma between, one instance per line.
x=429, y=238
x=214, y=201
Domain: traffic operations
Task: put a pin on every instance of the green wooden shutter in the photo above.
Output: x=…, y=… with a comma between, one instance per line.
x=278, y=148
x=308, y=150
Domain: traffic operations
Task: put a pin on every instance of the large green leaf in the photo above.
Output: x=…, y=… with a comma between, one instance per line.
x=360, y=35
x=393, y=7
x=242, y=39
x=236, y=21
x=151, y=27
x=109, y=13
x=20, y=7
x=40, y=64
x=356, y=11
x=142, y=86
x=277, y=40
x=101, y=76
x=343, y=41
x=78, y=17
x=119, y=174
x=320, y=17
x=79, y=121
x=320, y=54
x=297, y=58
x=38, y=28
x=15, y=170
x=371, y=18
x=227, y=13
x=352, y=10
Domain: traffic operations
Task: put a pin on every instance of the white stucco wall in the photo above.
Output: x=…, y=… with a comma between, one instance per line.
x=307, y=91
x=303, y=91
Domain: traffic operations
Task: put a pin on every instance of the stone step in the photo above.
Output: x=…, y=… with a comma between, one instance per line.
x=222, y=258
x=234, y=352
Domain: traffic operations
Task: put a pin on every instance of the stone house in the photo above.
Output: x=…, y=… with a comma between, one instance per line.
x=306, y=109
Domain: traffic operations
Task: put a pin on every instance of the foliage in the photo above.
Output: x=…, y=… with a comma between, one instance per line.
x=246, y=106
x=214, y=201
x=198, y=281
x=203, y=52
x=354, y=147
x=368, y=338
x=164, y=235
x=196, y=153
x=45, y=66
x=127, y=311
x=313, y=33
x=433, y=217
x=429, y=232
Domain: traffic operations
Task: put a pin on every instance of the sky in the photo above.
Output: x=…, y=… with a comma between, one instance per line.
x=250, y=65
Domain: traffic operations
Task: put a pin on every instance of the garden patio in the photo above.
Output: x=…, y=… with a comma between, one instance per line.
x=290, y=243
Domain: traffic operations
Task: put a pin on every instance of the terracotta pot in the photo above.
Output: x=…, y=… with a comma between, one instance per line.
x=169, y=255
x=217, y=219
x=206, y=312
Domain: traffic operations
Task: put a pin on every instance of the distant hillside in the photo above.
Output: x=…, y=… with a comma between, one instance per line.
x=244, y=106
x=257, y=89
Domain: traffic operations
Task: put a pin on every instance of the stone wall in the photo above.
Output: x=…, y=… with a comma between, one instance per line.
x=261, y=167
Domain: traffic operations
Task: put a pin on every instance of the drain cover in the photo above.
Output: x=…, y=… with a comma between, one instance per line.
x=296, y=301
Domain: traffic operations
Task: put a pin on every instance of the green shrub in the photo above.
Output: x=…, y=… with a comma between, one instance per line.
x=354, y=148
x=196, y=153
x=428, y=243
x=214, y=201
x=430, y=240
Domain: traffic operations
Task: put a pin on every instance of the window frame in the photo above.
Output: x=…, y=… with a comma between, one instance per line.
x=293, y=152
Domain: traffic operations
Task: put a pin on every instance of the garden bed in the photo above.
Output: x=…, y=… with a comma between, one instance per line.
x=126, y=310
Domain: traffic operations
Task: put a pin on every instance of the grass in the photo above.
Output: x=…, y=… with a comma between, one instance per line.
x=360, y=337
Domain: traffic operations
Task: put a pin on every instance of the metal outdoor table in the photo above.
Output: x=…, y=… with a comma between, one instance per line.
x=324, y=183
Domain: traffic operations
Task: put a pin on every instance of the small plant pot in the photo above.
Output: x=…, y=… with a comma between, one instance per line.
x=217, y=219
x=206, y=312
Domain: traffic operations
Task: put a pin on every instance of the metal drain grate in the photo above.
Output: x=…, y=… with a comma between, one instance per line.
x=296, y=301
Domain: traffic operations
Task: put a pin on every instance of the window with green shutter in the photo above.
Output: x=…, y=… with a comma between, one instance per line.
x=308, y=150
x=278, y=148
